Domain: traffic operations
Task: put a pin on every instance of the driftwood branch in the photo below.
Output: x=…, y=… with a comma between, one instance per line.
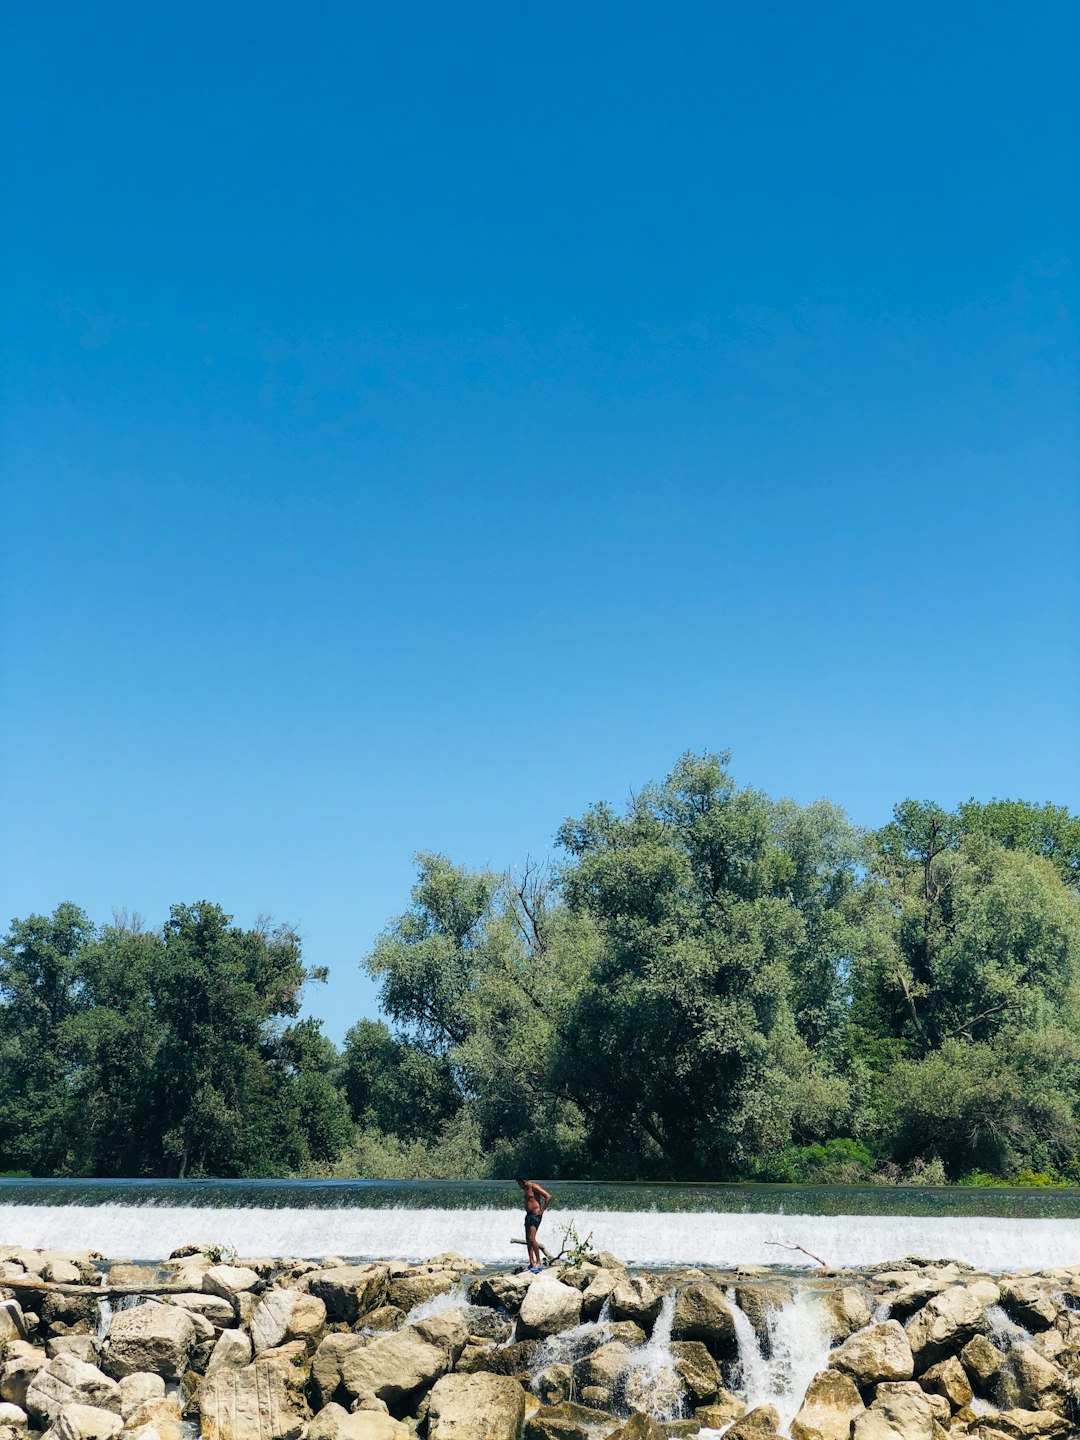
x=551, y=1259
x=65, y=1287
x=802, y=1250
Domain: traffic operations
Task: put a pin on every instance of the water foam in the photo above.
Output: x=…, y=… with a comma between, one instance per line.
x=149, y=1232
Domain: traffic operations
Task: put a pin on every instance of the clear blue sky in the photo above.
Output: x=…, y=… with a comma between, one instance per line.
x=423, y=420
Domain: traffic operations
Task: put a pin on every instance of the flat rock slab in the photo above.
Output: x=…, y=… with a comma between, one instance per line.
x=249, y=1404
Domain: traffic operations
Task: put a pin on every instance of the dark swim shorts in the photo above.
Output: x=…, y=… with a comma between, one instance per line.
x=531, y=1220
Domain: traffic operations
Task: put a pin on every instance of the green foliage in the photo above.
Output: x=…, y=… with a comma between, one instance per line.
x=710, y=984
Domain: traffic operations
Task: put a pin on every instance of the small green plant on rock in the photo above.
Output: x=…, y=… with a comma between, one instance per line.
x=220, y=1254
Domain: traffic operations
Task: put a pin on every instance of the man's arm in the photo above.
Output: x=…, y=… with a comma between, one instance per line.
x=545, y=1197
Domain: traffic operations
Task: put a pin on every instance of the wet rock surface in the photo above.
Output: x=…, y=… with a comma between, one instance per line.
x=289, y=1349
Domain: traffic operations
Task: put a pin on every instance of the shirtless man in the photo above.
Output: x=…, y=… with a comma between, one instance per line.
x=537, y=1199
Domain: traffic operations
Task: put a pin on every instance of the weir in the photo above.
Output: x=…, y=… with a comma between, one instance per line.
x=722, y=1226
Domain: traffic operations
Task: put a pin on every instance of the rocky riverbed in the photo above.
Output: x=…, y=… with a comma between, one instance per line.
x=280, y=1349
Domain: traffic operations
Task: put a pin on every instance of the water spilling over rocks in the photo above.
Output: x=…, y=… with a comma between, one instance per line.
x=302, y=1349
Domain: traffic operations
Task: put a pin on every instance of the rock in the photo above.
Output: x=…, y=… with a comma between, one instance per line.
x=697, y=1370
x=548, y=1308
x=347, y=1291
x=228, y=1280
x=85, y=1422
x=517, y=1359
x=635, y=1298
x=133, y=1276
x=393, y=1367
x=761, y=1423
x=947, y=1322
x=12, y=1324
x=1040, y=1384
x=21, y=1363
x=982, y=1362
x=383, y=1317
x=220, y=1313
x=597, y=1292
x=139, y=1389
x=500, y=1292
x=604, y=1367
x=405, y=1291
x=476, y=1407
x=846, y=1311
x=284, y=1315
x=335, y=1423
x=59, y=1311
x=67, y=1381
x=555, y=1385
x=638, y=1427
x=232, y=1352
x=249, y=1404
x=831, y=1404
x=12, y=1417
x=294, y=1364
x=550, y=1423
x=1028, y=1301
x=702, y=1313
x=1033, y=1425
x=880, y=1352
x=158, y=1338
x=723, y=1410
x=758, y=1303
x=83, y=1347
x=948, y=1378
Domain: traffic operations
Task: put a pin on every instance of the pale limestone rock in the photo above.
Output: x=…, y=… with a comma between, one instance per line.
x=139, y=1388
x=228, y=1281
x=21, y=1363
x=83, y=1347
x=219, y=1312
x=703, y=1313
x=846, y=1311
x=605, y=1367
x=67, y=1381
x=1029, y=1302
x=232, y=1352
x=831, y=1404
x=249, y=1404
x=12, y=1417
x=328, y=1360
x=949, y=1379
x=1040, y=1384
x=156, y=1338
x=61, y=1272
x=948, y=1321
x=548, y=1308
x=982, y=1361
x=476, y=1407
x=85, y=1422
x=697, y=1370
x=284, y=1315
x=636, y=1298
x=347, y=1290
x=407, y=1291
x=393, y=1367
x=335, y=1423
x=880, y=1352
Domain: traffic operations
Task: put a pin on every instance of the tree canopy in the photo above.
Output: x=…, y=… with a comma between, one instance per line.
x=704, y=983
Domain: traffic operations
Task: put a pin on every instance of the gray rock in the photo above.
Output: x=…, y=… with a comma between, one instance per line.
x=85, y=1422
x=948, y=1321
x=880, y=1352
x=68, y=1381
x=249, y=1404
x=155, y=1338
x=548, y=1308
x=232, y=1352
x=284, y=1315
x=138, y=1390
x=228, y=1280
x=703, y=1313
x=476, y=1407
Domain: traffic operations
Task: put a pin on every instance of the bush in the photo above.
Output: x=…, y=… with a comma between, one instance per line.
x=836, y=1162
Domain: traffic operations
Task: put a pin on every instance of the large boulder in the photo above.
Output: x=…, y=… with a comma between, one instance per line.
x=476, y=1407
x=328, y=1360
x=948, y=1378
x=394, y=1367
x=639, y=1427
x=501, y=1292
x=761, y=1423
x=335, y=1423
x=85, y=1422
x=229, y=1281
x=232, y=1352
x=158, y=1338
x=697, y=1370
x=21, y=1363
x=548, y=1308
x=284, y=1315
x=637, y=1298
x=138, y=1390
x=83, y=1347
x=605, y=1367
x=347, y=1291
x=831, y=1404
x=67, y=1381
x=220, y=1313
x=417, y=1286
x=1040, y=1384
x=948, y=1321
x=982, y=1362
x=880, y=1352
x=759, y=1302
x=702, y=1313
x=249, y=1404
x=1031, y=1425
x=1029, y=1301
x=845, y=1311
x=901, y=1411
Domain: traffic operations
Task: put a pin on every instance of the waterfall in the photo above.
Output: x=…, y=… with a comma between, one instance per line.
x=798, y=1348
x=650, y=1383
x=717, y=1238
x=448, y=1300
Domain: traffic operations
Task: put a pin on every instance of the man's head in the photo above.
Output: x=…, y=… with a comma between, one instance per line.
x=521, y=1180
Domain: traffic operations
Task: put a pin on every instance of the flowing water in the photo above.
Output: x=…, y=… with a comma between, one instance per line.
x=795, y=1349
x=721, y=1225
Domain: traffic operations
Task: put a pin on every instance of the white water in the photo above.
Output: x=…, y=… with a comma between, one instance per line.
x=798, y=1348
x=650, y=1382
x=150, y=1232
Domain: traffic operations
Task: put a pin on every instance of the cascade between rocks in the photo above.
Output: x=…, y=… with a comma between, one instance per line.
x=796, y=1348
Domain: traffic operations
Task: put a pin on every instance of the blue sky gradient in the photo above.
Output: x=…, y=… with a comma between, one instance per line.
x=423, y=421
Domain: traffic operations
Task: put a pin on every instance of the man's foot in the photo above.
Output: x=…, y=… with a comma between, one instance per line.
x=535, y=1269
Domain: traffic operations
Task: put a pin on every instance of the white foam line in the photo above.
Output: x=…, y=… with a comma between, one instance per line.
x=649, y=1237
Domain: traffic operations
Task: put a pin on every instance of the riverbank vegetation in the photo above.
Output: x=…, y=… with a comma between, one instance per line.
x=710, y=984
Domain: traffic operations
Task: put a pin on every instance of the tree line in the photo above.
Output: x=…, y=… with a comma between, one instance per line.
x=709, y=984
